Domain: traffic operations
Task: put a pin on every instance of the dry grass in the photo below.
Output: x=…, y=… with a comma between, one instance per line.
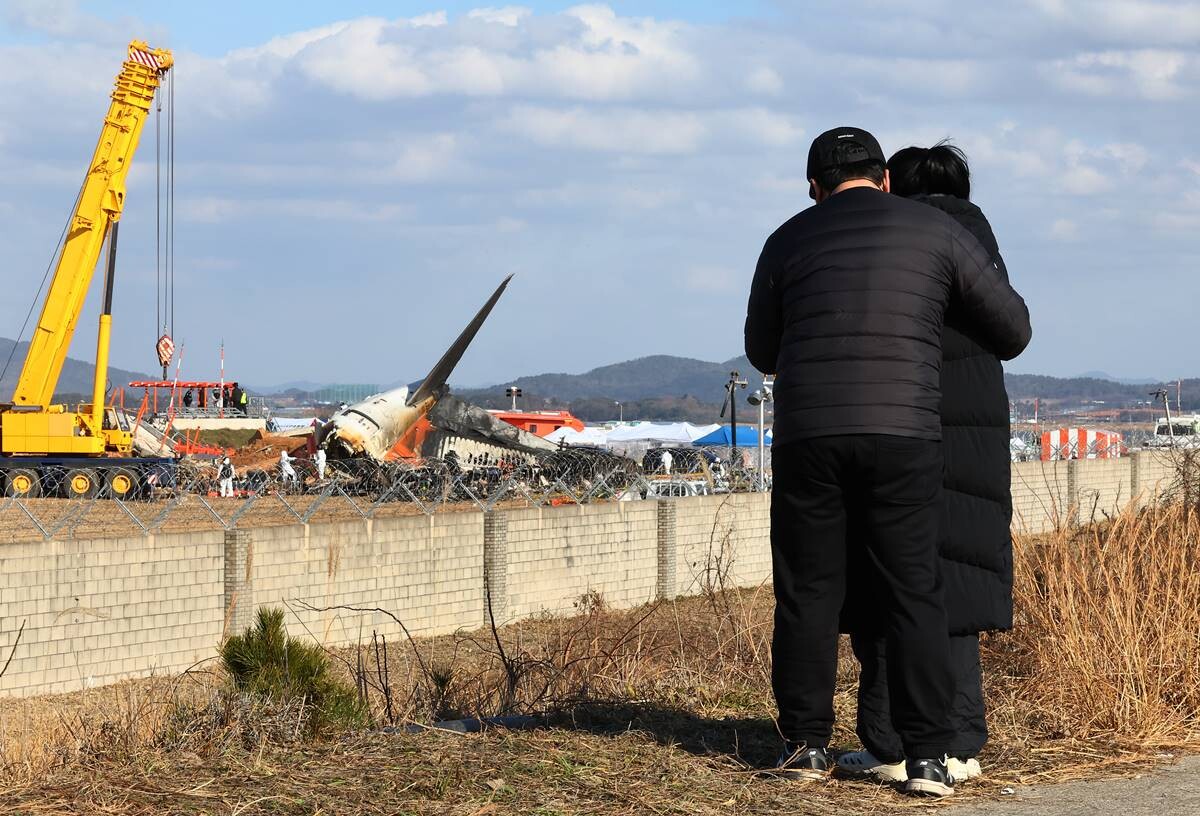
x=1107, y=641
x=662, y=709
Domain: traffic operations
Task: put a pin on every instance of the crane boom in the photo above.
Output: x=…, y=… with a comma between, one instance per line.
x=99, y=207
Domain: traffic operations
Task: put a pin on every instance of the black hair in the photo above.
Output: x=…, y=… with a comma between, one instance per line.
x=830, y=178
x=938, y=170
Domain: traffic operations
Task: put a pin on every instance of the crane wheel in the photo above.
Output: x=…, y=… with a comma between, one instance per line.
x=81, y=483
x=122, y=483
x=22, y=483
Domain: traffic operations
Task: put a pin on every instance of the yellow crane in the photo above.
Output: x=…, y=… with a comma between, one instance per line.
x=46, y=448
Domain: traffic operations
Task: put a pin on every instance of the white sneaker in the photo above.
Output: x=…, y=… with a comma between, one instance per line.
x=962, y=771
x=864, y=763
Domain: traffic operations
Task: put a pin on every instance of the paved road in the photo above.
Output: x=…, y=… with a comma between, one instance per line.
x=1173, y=790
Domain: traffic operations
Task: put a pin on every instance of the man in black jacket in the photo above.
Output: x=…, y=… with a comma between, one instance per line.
x=847, y=309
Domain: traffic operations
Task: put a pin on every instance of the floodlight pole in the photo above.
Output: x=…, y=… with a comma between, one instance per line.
x=762, y=421
x=761, y=397
x=1165, y=396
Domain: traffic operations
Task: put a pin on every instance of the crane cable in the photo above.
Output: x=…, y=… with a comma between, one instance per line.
x=164, y=216
x=171, y=186
x=157, y=216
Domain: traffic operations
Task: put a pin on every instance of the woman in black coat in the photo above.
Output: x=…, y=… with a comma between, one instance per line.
x=976, y=547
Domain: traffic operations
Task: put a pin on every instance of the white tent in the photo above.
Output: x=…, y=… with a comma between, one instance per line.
x=663, y=433
x=570, y=436
x=648, y=432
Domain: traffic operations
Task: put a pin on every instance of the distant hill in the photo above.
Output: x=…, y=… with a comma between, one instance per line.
x=298, y=386
x=1080, y=389
x=76, y=376
x=663, y=387
x=655, y=387
x=644, y=378
x=1103, y=375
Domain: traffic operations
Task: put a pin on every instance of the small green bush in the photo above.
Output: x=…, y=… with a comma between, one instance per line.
x=265, y=661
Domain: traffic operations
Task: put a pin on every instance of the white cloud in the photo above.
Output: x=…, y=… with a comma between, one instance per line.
x=1127, y=20
x=618, y=130
x=1064, y=229
x=506, y=15
x=425, y=159
x=764, y=126
x=1084, y=180
x=433, y=19
x=501, y=138
x=65, y=19
x=217, y=209
x=1092, y=170
x=764, y=80
x=602, y=57
x=1150, y=73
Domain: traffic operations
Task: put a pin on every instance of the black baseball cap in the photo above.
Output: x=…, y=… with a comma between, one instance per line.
x=864, y=147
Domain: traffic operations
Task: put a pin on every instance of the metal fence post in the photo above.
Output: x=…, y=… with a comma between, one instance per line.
x=239, y=581
x=495, y=567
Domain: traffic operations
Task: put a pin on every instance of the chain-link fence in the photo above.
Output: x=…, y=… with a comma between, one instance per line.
x=194, y=496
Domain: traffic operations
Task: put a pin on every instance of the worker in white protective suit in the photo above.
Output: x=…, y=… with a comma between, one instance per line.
x=319, y=461
x=667, y=461
x=286, y=473
x=225, y=476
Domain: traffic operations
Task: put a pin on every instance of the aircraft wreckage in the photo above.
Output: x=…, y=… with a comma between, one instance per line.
x=371, y=429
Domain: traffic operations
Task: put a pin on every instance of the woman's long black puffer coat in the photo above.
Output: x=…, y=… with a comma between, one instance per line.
x=976, y=543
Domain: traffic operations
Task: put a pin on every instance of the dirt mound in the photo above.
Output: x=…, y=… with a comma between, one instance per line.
x=263, y=451
x=227, y=437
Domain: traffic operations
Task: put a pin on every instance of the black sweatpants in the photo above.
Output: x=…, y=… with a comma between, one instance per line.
x=968, y=716
x=893, y=485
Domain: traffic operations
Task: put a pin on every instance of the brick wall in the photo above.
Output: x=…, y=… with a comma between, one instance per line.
x=1155, y=471
x=98, y=611
x=722, y=540
x=1040, y=493
x=101, y=610
x=1102, y=487
x=558, y=554
x=425, y=570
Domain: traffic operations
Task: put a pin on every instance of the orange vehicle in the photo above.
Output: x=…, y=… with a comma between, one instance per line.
x=539, y=423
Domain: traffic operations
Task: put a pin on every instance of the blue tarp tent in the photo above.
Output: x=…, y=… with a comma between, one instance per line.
x=747, y=437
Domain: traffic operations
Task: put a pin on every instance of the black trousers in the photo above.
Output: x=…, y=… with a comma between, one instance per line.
x=893, y=486
x=968, y=716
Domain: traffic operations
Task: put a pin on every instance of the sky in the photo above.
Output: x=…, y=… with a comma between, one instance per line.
x=352, y=180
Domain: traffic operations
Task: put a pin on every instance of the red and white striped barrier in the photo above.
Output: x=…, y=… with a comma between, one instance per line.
x=1081, y=443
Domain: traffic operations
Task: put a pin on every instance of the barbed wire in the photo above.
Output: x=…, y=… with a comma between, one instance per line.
x=192, y=496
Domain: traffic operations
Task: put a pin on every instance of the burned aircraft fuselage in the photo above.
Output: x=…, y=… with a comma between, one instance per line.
x=372, y=427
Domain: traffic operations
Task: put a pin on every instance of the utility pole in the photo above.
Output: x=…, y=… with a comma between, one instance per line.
x=621, y=411
x=513, y=392
x=1165, y=396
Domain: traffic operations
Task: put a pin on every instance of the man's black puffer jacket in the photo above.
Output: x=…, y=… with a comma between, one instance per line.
x=847, y=309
